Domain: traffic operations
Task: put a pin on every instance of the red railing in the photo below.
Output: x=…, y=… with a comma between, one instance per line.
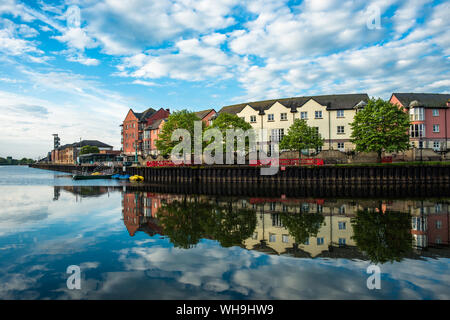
x=289, y=162
x=280, y=162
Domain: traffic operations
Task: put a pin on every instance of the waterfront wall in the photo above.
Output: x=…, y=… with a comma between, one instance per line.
x=393, y=174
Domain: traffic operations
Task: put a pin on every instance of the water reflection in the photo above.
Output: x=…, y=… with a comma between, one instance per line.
x=376, y=230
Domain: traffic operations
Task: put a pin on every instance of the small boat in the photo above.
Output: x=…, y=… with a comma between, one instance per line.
x=91, y=177
x=136, y=178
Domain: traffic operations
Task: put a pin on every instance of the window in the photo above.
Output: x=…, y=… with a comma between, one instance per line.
x=270, y=117
x=417, y=114
x=318, y=114
x=340, y=114
x=252, y=119
x=436, y=145
x=342, y=225
x=272, y=237
x=438, y=208
x=277, y=135
x=340, y=146
x=340, y=130
x=272, y=206
x=438, y=224
x=276, y=220
x=304, y=115
x=255, y=236
x=435, y=112
x=341, y=241
x=319, y=241
x=283, y=116
x=417, y=130
x=342, y=209
x=435, y=128
x=285, y=238
x=306, y=243
x=285, y=208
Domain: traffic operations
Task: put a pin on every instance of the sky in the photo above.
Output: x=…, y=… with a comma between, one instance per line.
x=76, y=67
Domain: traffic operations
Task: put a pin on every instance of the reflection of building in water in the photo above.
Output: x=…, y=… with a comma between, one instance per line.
x=335, y=229
x=430, y=220
x=81, y=191
x=430, y=223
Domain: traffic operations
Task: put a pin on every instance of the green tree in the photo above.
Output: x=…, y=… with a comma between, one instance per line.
x=301, y=226
x=230, y=226
x=89, y=149
x=183, y=119
x=383, y=236
x=226, y=121
x=380, y=126
x=183, y=222
x=300, y=136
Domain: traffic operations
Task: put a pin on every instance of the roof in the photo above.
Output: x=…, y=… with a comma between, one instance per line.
x=204, y=113
x=333, y=102
x=93, y=143
x=144, y=115
x=155, y=125
x=427, y=100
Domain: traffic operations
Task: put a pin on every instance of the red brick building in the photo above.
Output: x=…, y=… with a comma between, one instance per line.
x=133, y=129
x=206, y=116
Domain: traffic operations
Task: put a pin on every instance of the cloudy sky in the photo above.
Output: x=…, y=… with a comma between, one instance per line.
x=75, y=67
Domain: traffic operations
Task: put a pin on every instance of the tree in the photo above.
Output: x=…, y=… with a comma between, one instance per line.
x=301, y=226
x=89, y=149
x=380, y=126
x=178, y=120
x=226, y=121
x=383, y=236
x=300, y=136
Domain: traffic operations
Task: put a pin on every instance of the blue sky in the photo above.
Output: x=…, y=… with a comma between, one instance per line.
x=75, y=67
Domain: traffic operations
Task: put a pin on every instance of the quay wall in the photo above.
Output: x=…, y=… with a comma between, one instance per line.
x=391, y=174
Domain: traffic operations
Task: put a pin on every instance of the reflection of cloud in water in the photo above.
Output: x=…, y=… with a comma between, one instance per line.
x=257, y=276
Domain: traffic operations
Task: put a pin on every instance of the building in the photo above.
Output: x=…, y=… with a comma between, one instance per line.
x=207, y=116
x=430, y=118
x=151, y=133
x=69, y=153
x=133, y=129
x=330, y=114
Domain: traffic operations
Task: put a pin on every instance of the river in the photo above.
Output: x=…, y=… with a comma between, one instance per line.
x=133, y=242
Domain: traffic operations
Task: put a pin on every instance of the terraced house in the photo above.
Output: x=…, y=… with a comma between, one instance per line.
x=429, y=116
x=330, y=114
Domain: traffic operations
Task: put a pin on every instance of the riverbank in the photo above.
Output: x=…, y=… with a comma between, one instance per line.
x=431, y=174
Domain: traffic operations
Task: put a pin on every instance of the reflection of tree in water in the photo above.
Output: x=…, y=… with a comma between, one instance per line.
x=185, y=223
x=230, y=227
x=182, y=222
x=383, y=236
x=301, y=226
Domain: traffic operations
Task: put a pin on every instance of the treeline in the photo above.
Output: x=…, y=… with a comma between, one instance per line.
x=15, y=162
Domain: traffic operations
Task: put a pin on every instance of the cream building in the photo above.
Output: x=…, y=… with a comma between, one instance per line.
x=331, y=115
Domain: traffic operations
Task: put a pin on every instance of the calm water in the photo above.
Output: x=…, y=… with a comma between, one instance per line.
x=139, y=244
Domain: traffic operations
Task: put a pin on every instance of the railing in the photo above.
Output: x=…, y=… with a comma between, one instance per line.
x=281, y=162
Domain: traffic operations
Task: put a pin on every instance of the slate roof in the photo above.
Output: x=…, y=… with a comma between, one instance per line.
x=426, y=100
x=144, y=115
x=204, y=113
x=155, y=124
x=333, y=102
x=94, y=143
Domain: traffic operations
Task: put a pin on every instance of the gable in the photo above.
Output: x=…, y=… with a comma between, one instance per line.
x=130, y=116
x=248, y=110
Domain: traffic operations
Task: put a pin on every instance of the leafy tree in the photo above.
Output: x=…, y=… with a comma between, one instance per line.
x=380, y=126
x=300, y=136
x=178, y=120
x=383, y=236
x=89, y=149
x=230, y=226
x=303, y=225
x=183, y=222
x=226, y=121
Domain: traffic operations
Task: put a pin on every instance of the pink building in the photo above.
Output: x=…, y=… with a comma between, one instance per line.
x=430, y=118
